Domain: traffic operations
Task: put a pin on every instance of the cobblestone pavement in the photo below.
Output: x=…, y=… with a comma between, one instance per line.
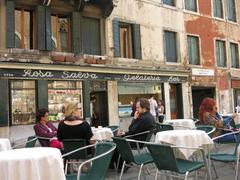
x=225, y=171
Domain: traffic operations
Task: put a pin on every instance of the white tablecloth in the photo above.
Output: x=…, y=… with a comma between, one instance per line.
x=181, y=123
x=187, y=138
x=31, y=164
x=4, y=144
x=102, y=134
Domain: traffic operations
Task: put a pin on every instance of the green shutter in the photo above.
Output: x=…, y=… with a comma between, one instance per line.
x=4, y=105
x=10, y=24
x=136, y=35
x=48, y=29
x=41, y=27
x=42, y=98
x=76, y=40
x=116, y=38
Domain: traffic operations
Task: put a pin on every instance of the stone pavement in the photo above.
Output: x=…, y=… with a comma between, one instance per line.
x=225, y=171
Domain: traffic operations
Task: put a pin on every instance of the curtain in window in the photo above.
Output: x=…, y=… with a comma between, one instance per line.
x=193, y=50
x=231, y=10
x=191, y=5
x=234, y=55
x=218, y=8
x=220, y=53
x=170, y=46
x=169, y=2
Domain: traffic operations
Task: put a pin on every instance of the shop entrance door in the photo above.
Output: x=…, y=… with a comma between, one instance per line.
x=101, y=107
x=176, y=104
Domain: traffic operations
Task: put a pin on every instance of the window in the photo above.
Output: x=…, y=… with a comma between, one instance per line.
x=234, y=55
x=169, y=2
x=231, y=10
x=24, y=31
x=191, y=5
x=91, y=36
x=60, y=33
x=220, y=53
x=125, y=38
x=218, y=8
x=193, y=50
x=170, y=46
x=23, y=101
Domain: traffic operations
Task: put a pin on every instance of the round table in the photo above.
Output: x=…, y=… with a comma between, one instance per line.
x=4, y=144
x=181, y=123
x=101, y=134
x=32, y=163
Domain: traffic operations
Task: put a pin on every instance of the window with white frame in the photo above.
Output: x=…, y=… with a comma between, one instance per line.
x=169, y=2
x=231, y=10
x=193, y=50
x=218, y=8
x=234, y=55
x=191, y=5
x=170, y=39
x=220, y=53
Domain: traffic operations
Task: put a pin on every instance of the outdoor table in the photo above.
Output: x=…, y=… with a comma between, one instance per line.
x=186, y=138
x=4, y=144
x=39, y=163
x=181, y=123
x=101, y=134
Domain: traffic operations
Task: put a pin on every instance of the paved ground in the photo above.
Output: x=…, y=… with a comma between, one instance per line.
x=225, y=171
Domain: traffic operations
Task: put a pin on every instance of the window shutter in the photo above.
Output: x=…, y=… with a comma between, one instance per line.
x=41, y=27
x=76, y=40
x=136, y=35
x=10, y=24
x=116, y=38
x=48, y=29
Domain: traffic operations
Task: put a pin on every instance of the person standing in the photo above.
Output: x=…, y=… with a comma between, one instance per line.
x=160, y=111
x=93, y=114
x=153, y=106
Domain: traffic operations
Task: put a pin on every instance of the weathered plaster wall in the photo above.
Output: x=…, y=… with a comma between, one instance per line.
x=2, y=22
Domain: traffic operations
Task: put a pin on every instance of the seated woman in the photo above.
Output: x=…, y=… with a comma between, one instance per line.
x=45, y=130
x=208, y=115
x=73, y=127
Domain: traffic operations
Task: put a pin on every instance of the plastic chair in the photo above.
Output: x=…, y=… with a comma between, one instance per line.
x=99, y=163
x=69, y=146
x=207, y=128
x=164, y=159
x=163, y=127
x=30, y=142
x=129, y=158
x=227, y=157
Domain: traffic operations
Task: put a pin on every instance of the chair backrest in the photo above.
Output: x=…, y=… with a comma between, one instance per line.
x=31, y=141
x=124, y=149
x=114, y=129
x=207, y=128
x=100, y=165
x=163, y=157
x=72, y=144
x=163, y=127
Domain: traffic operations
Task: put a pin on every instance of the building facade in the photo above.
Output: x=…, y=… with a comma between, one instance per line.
x=56, y=52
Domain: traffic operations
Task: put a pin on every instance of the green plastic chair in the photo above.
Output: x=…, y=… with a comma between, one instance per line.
x=29, y=142
x=164, y=159
x=227, y=157
x=129, y=158
x=207, y=128
x=99, y=163
x=163, y=127
x=71, y=145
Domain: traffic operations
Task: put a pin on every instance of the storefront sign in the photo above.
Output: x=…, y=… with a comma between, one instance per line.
x=202, y=72
x=74, y=75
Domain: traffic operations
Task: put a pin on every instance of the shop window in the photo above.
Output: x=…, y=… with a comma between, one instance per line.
x=91, y=36
x=193, y=50
x=220, y=53
x=61, y=93
x=218, y=8
x=169, y=2
x=234, y=55
x=23, y=101
x=24, y=33
x=231, y=10
x=60, y=33
x=191, y=5
x=170, y=46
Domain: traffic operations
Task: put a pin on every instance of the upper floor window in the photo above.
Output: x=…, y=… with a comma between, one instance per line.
x=60, y=33
x=193, y=50
x=234, y=55
x=231, y=10
x=125, y=37
x=170, y=39
x=221, y=53
x=24, y=29
x=218, y=8
x=169, y=2
x=191, y=5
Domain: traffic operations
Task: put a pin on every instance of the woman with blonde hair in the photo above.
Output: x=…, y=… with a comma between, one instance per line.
x=73, y=126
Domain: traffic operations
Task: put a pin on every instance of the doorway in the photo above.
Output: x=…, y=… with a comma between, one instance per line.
x=198, y=94
x=176, y=102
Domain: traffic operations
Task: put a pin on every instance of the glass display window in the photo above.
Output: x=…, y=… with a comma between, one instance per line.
x=23, y=101
x=60, y=93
